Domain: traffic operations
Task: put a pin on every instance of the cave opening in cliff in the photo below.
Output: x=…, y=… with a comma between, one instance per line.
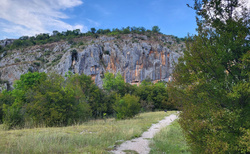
x=74, y=56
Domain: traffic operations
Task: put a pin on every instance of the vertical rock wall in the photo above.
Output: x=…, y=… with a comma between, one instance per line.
x=136, y=57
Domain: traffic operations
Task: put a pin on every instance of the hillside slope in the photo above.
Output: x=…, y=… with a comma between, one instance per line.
x=136, y=56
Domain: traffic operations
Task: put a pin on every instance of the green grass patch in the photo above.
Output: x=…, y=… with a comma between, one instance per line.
x=130, y=152
x=96, y=136
x=170, y=140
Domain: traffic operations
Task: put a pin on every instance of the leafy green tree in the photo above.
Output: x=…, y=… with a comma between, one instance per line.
x=14, y=101
x=77, y=32
x=48, y=99
x=100, y=31
x=93, y=30
x=126, y=30
x=155, y=29
x=127, y=106
x=6, y=98
x=88, y=95
x=108, y=81
x=153, y=96
x=29, y=80
x=211, y=82
x=112, y=83
x=142, y=29
x=49, y=102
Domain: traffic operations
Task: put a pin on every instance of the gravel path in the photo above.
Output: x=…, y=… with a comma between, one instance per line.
x=141, y=144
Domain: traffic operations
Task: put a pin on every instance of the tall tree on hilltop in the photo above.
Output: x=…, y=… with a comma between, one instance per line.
x=155, y=29
x=211, y=81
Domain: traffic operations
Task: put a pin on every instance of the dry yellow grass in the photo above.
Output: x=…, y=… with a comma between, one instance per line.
x=97, y=136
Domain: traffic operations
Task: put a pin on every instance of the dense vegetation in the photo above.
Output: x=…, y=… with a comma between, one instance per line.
x=69, y=36
x=53, y=100
x=212, y=80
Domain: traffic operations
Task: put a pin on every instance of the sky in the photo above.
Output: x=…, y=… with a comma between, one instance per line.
x=30, y=17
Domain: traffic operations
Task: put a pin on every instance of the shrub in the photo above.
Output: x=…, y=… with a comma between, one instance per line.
x=127, y=106
x=6, y=98
x=17, y=60
x=13, y=116
x=36, y=63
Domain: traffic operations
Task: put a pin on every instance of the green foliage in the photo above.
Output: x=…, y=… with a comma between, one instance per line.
x=29, y=80
x=112, y=83
x=37, y=64
x=87, y=94
x=13, y=116
x=212, y=80
x=155, y=29
x=17, y=60
x=69, y=36
x=127, y=106
x=93, y=30
x=6, y=98
x=154, y=96
x=50, y=100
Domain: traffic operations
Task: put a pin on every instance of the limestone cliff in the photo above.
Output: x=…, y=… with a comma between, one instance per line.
x=135, y=56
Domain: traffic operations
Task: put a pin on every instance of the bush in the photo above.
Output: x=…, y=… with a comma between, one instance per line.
x=126, y=107
x=6, y=98
x=37, y=64
x=17, y=60
x=12, y=116
x=49, y=100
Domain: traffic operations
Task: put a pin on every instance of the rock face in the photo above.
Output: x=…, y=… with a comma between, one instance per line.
x=6, y=42
x=136, y=57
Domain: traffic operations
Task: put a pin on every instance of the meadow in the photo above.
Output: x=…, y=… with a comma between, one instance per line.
x=95, y=136
x=170, y=140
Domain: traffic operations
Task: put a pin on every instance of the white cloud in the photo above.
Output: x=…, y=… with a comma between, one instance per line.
x=30, y=17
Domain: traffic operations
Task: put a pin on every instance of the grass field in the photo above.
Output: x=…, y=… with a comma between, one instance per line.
x=97, y=136
x=170, y=140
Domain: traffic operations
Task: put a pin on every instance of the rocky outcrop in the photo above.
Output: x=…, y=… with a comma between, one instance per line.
x=136, y=57
x=6, y=42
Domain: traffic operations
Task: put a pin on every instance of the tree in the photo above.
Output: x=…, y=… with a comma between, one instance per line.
x=55, y=32
x=93, y=30
x=87, y=94
x=210, y=80
x=77, y=31
x=117, y=84
x=127, y=106
x=155, y=29
x=6, y=98
x=51, y=100
x=153, y=96
x=142, y=29
x=126, y=30
x=100, y=31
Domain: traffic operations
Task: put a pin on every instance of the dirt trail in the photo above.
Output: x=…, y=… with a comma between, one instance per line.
x=141, y=144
